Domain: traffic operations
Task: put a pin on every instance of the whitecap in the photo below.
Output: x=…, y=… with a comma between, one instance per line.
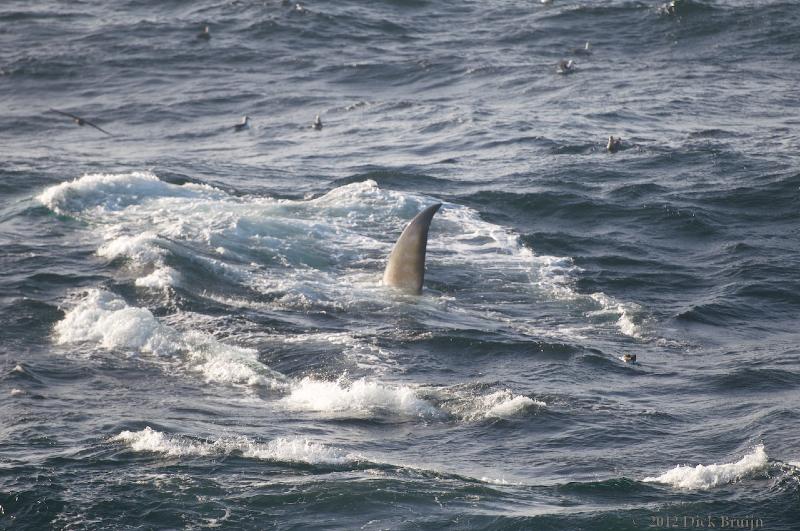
x=623, y=311
x=161, y=278
x=359, y=397
x=296, y=450
x=139, y=247
x=106, y=320
x=499, y=404
x=704, y=477
x=113, y=191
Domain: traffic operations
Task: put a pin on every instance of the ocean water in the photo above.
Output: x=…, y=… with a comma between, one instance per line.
x=194, y=331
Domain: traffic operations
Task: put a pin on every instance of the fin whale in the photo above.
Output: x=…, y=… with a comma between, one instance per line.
x=405, y=269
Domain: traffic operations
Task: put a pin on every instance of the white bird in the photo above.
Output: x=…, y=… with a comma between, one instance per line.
x=317, y=123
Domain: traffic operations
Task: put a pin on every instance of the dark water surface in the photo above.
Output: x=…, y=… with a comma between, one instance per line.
x=194, y=333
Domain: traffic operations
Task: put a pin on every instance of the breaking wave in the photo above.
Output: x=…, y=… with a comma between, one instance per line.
x=106, y=319
x=705, y=477
x=292, y=450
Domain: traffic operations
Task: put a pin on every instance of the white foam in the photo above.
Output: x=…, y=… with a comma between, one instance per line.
x=498, y=481
x=105, y=319
x=281, y=449
x=132, y=212
x=465, y=403
x=138, y=247
x=219, y=362
x=113, y=191
x=150, y=440
x=143, y=251
x=358, y=397
x=322, y=255
x=704, y=477
x=161, y=278
x=504, y=404
x=623, y=312
x=499, y=404
x=364, y=353
x=137, y=208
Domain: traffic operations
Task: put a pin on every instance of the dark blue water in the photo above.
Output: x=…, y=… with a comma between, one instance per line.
x=194, y=333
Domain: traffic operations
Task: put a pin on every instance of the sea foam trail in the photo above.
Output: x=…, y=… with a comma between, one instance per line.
x=319, y=254
x=704, y=477
x=105, y=319
x=292, y=450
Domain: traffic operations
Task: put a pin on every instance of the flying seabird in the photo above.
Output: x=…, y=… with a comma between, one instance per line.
x=566, y=67
x=205, y=34
x=80, y=121
x=244, y=124
x=614, y=144
x=317, y=123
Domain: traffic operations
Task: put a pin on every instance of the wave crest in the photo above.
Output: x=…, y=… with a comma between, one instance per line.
x=294, y=450
x=704, y=477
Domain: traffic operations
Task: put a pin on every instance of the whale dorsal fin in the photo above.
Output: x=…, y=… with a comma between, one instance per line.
x=406, y=267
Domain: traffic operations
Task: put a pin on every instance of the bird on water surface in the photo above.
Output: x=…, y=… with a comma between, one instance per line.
x=566, y=67
x=244, y=124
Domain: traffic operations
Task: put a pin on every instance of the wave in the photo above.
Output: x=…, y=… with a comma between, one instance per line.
x=369, y=399
x=106, y=319
x=115, y=191
x=704, y=477
x=499, y=404
x=358, y=397
x=282, y=450
x=291, y=450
